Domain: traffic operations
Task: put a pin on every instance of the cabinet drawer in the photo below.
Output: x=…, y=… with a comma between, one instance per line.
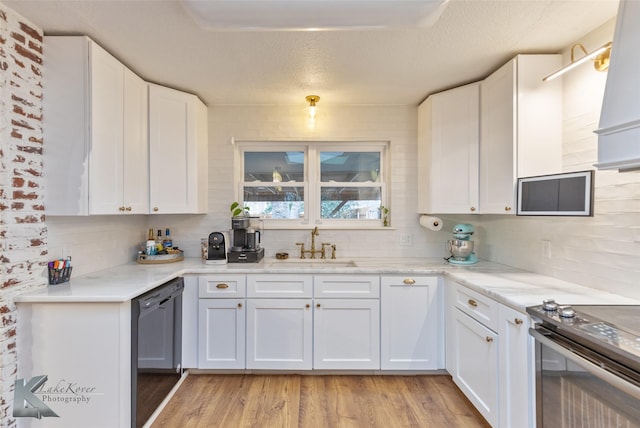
x=220, y=286
x=479, y=307
x=346, y=286
x=282, y=286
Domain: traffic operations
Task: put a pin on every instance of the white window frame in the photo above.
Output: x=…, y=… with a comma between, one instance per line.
x=312, y=185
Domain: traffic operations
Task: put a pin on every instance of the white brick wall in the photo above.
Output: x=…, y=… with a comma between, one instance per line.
x=23, y=236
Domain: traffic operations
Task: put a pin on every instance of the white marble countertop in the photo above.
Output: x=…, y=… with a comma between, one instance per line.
x=513, y=287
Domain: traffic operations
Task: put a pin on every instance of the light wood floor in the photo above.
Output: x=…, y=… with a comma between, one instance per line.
x=267, y=401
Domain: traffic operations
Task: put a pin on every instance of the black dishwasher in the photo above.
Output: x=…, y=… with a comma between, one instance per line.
x=156, y=348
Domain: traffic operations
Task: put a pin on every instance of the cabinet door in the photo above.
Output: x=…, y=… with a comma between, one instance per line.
x=516, y=369
x=279, y=334
x=476, y=358
x=346, y=334
x=221, y=327
x=497, y=141
x=135, y=194
x=107, y=122
x=448, y=144
x=177, y=160
x=411, y=322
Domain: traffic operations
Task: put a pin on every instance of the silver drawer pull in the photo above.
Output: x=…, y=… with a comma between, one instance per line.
x=473, y=303
x=222, y=286
x=409, y=281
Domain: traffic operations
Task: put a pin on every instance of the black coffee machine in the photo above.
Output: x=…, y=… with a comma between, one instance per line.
x=245, y=242
x=216, y=250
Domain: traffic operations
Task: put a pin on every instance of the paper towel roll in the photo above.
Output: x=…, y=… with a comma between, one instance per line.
x=431, y=223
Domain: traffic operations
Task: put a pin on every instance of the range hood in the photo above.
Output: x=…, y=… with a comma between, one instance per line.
x=619, y=128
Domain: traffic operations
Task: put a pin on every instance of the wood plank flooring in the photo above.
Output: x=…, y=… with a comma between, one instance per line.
x=290, y=401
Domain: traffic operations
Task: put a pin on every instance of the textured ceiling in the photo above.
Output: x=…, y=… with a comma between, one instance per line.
x=163, y=44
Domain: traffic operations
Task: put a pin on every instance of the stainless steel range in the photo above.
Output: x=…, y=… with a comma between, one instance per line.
x=587, y=365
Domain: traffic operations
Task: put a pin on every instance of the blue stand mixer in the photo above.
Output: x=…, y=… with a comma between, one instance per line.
x=461, y=248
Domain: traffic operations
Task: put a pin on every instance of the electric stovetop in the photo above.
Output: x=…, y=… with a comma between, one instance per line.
x=611, y=330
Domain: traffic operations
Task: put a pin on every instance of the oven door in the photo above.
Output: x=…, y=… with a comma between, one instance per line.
x=576, y=387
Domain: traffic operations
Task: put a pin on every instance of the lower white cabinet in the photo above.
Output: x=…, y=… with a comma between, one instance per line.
x=490, y=356
x=221, y=321
x=279, y=334
x=411, y=336
x=346, y=334
x=516, y=369
x=221, y=334
x=476, y=359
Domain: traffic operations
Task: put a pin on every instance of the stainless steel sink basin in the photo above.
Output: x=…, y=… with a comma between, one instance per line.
x=312, y=263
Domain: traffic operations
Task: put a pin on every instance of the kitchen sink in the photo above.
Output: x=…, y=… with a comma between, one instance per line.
x=312, y=263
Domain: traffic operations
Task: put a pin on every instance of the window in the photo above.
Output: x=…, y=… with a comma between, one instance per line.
x=301, y=183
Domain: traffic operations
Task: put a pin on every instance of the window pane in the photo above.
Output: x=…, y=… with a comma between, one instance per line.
x=274, y=166
x=349, y=166
x=275, y=202
x=350, y=202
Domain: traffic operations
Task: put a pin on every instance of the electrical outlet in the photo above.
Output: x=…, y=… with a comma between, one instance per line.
x=546, y=249
x=406, y=239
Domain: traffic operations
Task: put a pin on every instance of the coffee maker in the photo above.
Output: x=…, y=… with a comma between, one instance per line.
x=216, y=249
x=245, y=241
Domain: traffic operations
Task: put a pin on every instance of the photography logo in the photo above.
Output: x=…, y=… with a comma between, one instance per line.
x=25, y=402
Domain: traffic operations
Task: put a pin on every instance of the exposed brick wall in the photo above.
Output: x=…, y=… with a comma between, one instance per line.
x=23, y=235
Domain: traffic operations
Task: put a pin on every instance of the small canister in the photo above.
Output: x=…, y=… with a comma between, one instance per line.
x=204, y=248
x=150, y=249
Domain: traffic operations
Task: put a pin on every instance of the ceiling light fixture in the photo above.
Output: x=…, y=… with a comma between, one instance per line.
x=312, y=100
x=600, y=58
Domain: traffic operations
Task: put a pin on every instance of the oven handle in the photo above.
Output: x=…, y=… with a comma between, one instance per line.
x=589, y=366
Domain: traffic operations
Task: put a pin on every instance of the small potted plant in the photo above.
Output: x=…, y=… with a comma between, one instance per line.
x=384, y=214
x=238, y=211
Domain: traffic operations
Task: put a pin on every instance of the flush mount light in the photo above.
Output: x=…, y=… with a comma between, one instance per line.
x=306, y=15
x=599, y=56
x=312, y=100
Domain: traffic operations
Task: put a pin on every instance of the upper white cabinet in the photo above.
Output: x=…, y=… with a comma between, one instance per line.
x=95, y=131
x=178, y=152
x=448, y=151
x=520, y=128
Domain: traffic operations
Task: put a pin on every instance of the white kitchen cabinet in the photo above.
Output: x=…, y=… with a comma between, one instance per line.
x=346, y=334
x=190, y=322
x=178, y=152
x=279, y=334
x=221, y=321
x=81, y=347
x=346, y=322
x=279, y=322
x=411, y=332
x=448, y=151
x=516, y=369
x=490, y=357
x=520, y=128
x=95, y=126
x=221, y=328
x=476, y=349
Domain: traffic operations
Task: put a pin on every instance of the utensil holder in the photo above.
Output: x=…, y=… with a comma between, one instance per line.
x=58, y=276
